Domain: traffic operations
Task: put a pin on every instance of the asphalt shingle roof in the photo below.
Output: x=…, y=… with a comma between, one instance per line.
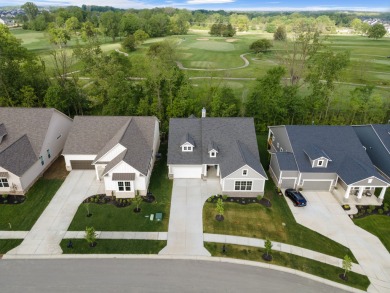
x=24, y=131
x=286, y=161
x=99, y=134
x=340, y=143
x=235, y=138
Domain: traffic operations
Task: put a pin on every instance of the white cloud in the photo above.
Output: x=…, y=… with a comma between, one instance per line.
x=197, y=2
x=114, y=3
x=311, y=8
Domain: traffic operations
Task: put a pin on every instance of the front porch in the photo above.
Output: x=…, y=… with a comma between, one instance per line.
x=359, y=196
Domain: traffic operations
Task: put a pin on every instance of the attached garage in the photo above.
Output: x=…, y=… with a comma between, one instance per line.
x=317, y=185
x=82, y=165
x=288, y=183
x=186, y=171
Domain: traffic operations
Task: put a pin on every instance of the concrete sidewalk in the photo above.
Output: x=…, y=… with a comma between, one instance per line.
x=119, y=235
x=47, y=233
x=13, y=234
x=185, y=231
x=282, y=247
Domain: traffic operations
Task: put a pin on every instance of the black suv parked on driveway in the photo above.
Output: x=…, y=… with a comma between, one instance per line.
x=296, y=197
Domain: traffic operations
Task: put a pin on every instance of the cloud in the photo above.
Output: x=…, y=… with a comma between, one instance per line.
x=115, y=3
x=197, y=2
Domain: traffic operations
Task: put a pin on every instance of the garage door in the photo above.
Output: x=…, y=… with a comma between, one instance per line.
x=82, y=165
x=287, y=183
x=316, y=185
x=186, y=171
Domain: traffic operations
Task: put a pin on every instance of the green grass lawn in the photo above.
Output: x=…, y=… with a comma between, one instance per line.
x=8, y=244
x=254, y=220
x=291, y=261
x=114, y=246
x=111, y=218
x=21, y=217
x=377, y=225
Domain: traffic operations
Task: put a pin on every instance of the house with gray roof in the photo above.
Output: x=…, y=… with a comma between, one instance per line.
x=30, y=140
x=121, y=150
x=223, y=149
x=322, y=158
x=375, y=138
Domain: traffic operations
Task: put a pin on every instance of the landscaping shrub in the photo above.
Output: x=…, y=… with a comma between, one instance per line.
x=224, y=197
x=380, y=211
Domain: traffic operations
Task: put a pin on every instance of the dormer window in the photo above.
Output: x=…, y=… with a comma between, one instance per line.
x=320, y=163
x=244, y=172
x=187, y=148
x=213, y=154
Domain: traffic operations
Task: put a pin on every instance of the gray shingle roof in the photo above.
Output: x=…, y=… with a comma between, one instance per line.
x=286, y=161
x=25, y=129
x=375, y=139
x=340, y=143
x=235, y=138
x=99, y=134
x=315, y=152
x=212, y=146
x=3, y=132
x=187, y=138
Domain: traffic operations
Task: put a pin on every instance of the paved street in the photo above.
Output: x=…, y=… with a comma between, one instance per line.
x=185, y=231
x=325, y=215
x=48, y=231
x=136, y=275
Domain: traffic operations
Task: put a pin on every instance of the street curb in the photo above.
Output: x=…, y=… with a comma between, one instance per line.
x=178, y=257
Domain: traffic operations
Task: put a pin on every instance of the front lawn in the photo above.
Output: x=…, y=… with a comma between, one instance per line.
x=377, y=225
x=22, y=217
x=291, y=261
x=276, y=223
x=8, y=244
x=113, y=246
x=110, y=218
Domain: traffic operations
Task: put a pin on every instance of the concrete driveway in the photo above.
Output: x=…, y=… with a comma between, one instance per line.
x=45, y=236
x=325, y=215
x=185, y=231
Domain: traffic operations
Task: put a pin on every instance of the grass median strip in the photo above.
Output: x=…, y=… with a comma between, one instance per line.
x=291, y=261
x=113, y=246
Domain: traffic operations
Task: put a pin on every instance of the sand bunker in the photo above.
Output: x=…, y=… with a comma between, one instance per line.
x=231, y=40
x=202, y=39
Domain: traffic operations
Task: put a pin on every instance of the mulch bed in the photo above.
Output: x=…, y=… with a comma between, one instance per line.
x=364, y=211
x=344, y=278
x=12, y=199
x=118, y=202
x=267, y=257
x=241, y=200
x=219, y=218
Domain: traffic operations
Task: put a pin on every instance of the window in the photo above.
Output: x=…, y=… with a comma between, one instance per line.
x=48, y=154
x=243, y=185
x=4, y=182
x=281, y=149
x=124, y=186
x=320, y=163
x=187, y=148
x=369, y=180
x=213, y=154
x=244, y=172
x=42, y=161
x=367, y=188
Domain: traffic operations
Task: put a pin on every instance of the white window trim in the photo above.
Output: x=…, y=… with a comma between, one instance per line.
x=124, y=186
x=2, y=183
x=281, y=149
x=187, y=148
x=321, y=163
x=213, y=154
x=370, y=180
x=245, y=171
x=246, y=182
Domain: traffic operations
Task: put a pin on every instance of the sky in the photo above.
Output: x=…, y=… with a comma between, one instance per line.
x=244, y=5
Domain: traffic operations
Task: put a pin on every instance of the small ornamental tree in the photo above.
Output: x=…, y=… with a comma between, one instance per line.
x=262, y=45
x=280, y=34
x=268, y=249
x=137, y=201
x=90, y=236
x=347, y=266
x=220, y=210
x=376, y=31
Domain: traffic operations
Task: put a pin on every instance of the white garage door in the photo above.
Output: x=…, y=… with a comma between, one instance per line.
x=187, y=171
x=287, y=183
x=317, y=185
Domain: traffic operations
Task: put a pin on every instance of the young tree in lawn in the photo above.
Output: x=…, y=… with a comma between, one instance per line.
x=377, y=31
x=220, y=209
x=347, y=265
x=129, y=43
x=140, y=37
x=268, y=249
x=137, y=201
x=90, y=236
x=262, y=45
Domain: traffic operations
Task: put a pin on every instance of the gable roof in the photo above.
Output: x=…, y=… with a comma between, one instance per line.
x=314, y=152
x=23, y=132
x=235, y=139
x=286, y=161
x=340, y=143
x=376, y=139
x=99, y=134
x=187, y=139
